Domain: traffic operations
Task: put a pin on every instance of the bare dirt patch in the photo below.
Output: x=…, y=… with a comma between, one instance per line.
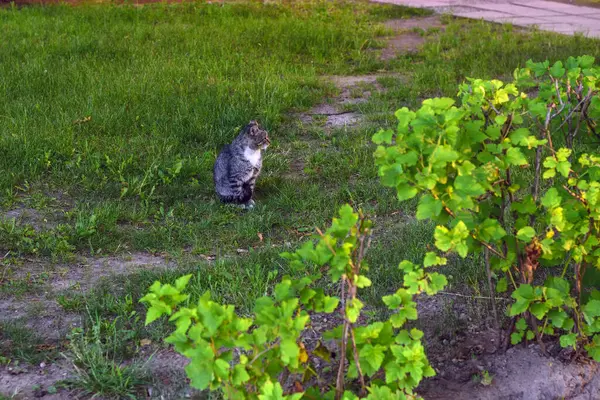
x=410, y=34
x=39, y=308
x=471, y=363
x=338, y=112
x=37, y=381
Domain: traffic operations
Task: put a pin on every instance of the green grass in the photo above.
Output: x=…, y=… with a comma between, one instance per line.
x=97, y=358
x=168, y=85
x=122, y=110
x=20, y=343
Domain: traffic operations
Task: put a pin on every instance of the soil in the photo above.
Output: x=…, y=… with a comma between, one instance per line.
x=409, y=35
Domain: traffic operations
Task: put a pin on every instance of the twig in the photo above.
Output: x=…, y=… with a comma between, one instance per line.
x=363, y=387
x=339, y=384
x=490, y=248
x=473, y=297
x=572, y=111
x=486, y=255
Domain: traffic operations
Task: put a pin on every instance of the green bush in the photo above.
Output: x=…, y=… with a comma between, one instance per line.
x=243, y=357
x=503, y=174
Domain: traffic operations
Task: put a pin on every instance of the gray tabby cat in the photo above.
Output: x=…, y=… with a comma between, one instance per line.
x=239, y=164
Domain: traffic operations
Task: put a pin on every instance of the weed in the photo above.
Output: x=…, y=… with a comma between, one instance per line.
x=17, y=342
x=97, y=368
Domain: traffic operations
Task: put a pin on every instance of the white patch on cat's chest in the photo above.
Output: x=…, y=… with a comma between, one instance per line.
x=253, y=156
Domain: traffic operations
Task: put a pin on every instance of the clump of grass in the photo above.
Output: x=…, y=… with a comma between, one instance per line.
x=19, y=343
x=98, y=363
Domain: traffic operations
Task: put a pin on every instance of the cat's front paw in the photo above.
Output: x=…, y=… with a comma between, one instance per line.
x=249, y=205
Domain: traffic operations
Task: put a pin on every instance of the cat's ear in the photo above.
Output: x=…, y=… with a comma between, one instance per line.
x=252, y=128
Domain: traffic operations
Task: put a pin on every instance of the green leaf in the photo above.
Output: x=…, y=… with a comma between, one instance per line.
x=443, y=240
x=591, y=310
x=405, y=191
x=490, y=230
x=330, y=304
x=526, y=234
x=586, y=61
x=428, y=207
x=530, y=335
x=519, y=136
x=514, y=156
x=557, y=70
x=372, y=355
x=564, y=167
x=362, y=281
x=441, y=103
x=468, y=186
x=270, y=391
x=557, y=317
x=289, y=351
x=182, y=282
x=438, y=282
x=240, y=375
x=432, y=259
x=516, y=337
x=154, y=313
x=525, y=206
x=538, y=310
x=569, y=340
x=521, y=324
x=353, y=310
x=200, y=374
x=383, y=136
x=221, y=368
x=443, y=155
x=551, y=199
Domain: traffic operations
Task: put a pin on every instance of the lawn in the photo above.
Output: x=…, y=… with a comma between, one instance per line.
x=111, y=118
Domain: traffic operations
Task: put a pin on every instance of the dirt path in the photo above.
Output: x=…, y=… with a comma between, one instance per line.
x=546, y=15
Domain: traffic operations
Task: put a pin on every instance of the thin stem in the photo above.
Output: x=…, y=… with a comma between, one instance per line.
x=339, y=384
x=363, y=387
x=488, y=270
x=472, y=297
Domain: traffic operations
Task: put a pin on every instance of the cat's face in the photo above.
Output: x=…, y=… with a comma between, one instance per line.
x=257, y=136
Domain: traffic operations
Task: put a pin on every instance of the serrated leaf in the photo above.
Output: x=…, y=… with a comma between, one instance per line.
x=491, y=229
x=405, y=191
x=240, y=375
x=526, y=234
x=432, y=259
x=569, y=340
x=591, y=310
x=200, y=374
x=383, y=136
x=564, y=167
x=153, y=314
x=551, y=199
x=516, y=337
x=530, y=335
x=514, y=156
x=330, y=304
x=521, y=324
x=372, y=355
x=429, y=207
x=538, y=310
x=182, y=282
x=289, y=351
x=362, y=281
x=557, y=70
